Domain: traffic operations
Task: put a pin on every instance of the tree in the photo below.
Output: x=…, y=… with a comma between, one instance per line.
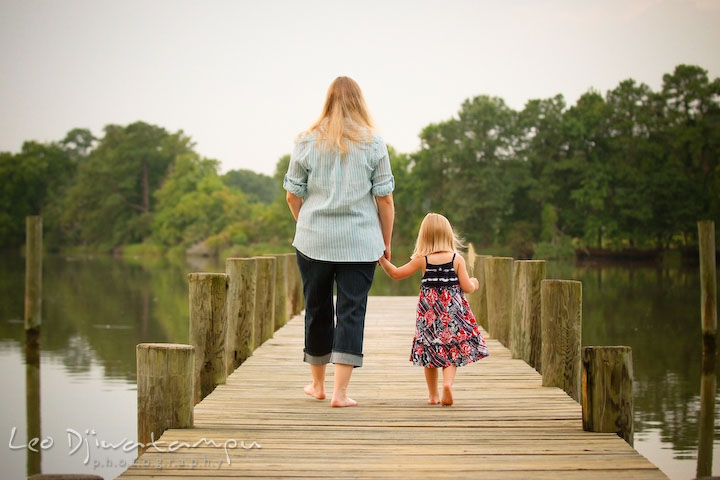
x=194, y=204
x=33, y=181
x=462, y=168
x=111, y=200
x=258, y=187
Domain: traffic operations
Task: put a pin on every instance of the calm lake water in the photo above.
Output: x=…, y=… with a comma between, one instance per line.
x=95, y=310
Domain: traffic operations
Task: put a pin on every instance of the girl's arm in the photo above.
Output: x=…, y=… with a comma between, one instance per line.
x=467, y=284
x=402, y=272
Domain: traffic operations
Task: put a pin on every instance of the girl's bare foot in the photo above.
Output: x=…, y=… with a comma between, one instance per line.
x=311, y=390
x=343, y=402
x=447, y=398
x=434, y=399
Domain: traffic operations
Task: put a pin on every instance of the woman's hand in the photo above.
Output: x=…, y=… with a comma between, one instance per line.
x=386, y=255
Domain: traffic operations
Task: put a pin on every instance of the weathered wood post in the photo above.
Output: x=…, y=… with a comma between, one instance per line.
x=33, y=322
x=526, y=331
x=280, y=311
x=708, y=319
x=607, y=390
x=242, y=286
x=264, y=300
x=296, y=296
x=498, y=280
x=478, y=299
x=165, y=390
x=708, y=283
x=292, y=275
x=561, y=319
x=208, y=329
x=470, y=259
x=33, y=273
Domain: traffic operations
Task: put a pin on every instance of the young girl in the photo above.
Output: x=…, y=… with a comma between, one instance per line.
x=446, y=333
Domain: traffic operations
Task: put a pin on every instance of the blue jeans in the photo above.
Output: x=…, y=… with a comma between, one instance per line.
x=325, y=340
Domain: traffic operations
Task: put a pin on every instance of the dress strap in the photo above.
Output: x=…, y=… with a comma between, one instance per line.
x=426, y=262
x=453, y=259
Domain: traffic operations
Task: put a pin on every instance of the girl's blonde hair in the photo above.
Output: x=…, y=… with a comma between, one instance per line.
x=436, y=235
x=344, y=117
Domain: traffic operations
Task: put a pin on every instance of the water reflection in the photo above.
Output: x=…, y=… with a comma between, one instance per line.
x=655, y=311
x=96, y=310
x=32, y=402
x=707, y=414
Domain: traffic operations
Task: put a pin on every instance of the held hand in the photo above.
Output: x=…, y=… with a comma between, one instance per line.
x=387, y=255
x=475, y=282
x=385, y=264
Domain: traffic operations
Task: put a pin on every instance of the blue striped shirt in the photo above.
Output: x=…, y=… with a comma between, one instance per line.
x=338, y=220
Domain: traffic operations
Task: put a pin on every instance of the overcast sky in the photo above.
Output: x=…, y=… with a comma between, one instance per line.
x=242, y=78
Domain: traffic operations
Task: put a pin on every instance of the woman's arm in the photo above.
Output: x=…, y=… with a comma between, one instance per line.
x=294, y=202
x=386, y=212
x=467, y=284
x=402, y=272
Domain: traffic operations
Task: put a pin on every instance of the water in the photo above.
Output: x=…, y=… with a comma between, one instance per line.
x=95, y=310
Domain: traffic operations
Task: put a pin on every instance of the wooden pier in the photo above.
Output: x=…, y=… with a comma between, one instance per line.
x=504, y=424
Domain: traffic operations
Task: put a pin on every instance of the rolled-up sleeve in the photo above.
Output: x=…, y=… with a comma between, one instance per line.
x=383, y=182
x=295, y=180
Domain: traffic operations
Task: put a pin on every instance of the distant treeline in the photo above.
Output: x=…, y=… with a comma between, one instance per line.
x=635, y=168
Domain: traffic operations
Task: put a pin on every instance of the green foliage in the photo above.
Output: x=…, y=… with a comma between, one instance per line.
x=258, y=187
x=33, y=182
x=110, y=201
x=632, y=168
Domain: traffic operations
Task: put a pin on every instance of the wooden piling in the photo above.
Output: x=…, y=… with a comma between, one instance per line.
x=526, y=331
x=295, y=292
x=561, y=319
x=264, y=300
x=291, y=300
x=208, y=329
x=708, y=319
x=33, y=272
x=478, y=299
x=498, y=281
x=708, y=283
x=470, y=259
x=242, y=286
x=280, y=311
x=165, y=390
x=607, y=391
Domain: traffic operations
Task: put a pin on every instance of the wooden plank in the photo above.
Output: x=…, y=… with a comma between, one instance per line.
x=504, y=423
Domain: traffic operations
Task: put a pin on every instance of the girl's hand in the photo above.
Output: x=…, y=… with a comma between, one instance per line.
x=475, y=282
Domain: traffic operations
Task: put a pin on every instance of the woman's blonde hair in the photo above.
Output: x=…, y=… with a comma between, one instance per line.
x=344, y=117
x=436, y=235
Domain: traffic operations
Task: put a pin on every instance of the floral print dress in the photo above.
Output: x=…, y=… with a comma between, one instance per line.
x=446, y=332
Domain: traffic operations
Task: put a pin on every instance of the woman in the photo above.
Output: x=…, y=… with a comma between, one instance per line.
x=339, y=189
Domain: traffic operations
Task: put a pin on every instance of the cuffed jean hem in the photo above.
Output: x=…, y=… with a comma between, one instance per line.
x=316, y=359
x=346, y=358
x=334, y=357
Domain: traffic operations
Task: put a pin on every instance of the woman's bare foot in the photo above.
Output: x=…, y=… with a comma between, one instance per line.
x=447, y=398
x=434, y=399
x=343, y=402
x=316, y=392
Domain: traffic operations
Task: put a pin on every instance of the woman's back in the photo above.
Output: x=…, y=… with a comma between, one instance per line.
x=339, y=220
